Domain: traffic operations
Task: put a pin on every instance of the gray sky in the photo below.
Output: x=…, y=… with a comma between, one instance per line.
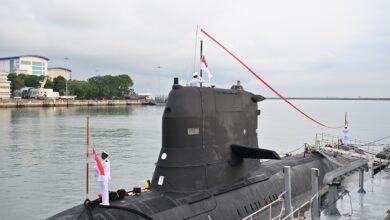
x=302, y=48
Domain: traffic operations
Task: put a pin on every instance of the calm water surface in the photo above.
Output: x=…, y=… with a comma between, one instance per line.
x=43, y=149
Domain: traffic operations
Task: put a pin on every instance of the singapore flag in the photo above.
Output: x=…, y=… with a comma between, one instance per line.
x=205, y=67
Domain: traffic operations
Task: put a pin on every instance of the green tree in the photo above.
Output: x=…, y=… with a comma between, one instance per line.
x=31, y=80
x=109, y=87
x=16, y=82
x=101, y=87
x=124, y=83
x=79, y=88
x=59, y=84
x=49, y=84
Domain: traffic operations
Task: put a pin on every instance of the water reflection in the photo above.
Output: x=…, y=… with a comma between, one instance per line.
x=43, y=153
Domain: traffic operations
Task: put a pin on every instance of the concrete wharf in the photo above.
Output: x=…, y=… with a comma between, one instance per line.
x=13, y=103
x=351, y=192
x=374, y=204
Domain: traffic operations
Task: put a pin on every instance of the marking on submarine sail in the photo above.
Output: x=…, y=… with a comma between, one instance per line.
x=164, y=156
x=193, y=131
x=244, y=131
x=160, y=180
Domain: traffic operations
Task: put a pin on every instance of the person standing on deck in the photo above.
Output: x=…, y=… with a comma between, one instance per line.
x=103, y=177
x=345, y=140
x=196, y=80
x=346, y=135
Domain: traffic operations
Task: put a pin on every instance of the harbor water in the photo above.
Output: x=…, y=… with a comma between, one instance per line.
x=43, y=149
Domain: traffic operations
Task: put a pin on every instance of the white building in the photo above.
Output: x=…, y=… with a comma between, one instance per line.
x=27, y=64
x=5, y=87
x=54, y=72
x=145, y=95
x=42, y=93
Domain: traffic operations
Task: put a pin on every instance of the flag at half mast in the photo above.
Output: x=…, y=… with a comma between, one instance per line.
x=205, y=67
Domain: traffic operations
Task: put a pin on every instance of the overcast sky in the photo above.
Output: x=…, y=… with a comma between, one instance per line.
x=302, y=48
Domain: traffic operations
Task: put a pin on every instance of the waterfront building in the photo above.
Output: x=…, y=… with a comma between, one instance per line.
x=5, y=86
x=26, y=64
x=42, y=93
x=145, y=95
x=54, y=72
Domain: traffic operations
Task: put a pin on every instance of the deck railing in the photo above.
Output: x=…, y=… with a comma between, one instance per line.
x=286, y=212
x=300, y=208
x=269, y=207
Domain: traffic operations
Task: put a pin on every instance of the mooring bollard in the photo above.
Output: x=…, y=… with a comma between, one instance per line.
x=361, y=181
x=314, y=191
x=287, y=189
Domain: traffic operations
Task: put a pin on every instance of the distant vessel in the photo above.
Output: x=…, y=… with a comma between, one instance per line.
x=209, y=166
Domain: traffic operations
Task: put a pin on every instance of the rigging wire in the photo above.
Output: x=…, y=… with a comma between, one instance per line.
x=266, y=84
x=373, y=142
x=295, y=149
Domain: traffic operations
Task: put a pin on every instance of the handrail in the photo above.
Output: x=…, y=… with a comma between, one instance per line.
x=292, y=213
x=361, y=156
x=310, y=201
x=269, y=205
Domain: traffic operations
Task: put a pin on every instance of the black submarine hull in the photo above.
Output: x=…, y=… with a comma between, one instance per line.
x=209, y=164
x=232, y=202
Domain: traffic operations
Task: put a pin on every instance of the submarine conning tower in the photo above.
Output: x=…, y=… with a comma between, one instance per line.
x=200, y=127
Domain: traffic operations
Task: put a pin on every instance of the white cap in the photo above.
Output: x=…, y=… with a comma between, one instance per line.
x=195, y=74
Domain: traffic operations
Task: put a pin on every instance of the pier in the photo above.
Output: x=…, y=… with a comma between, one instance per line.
x=374, y=203
x=357, y=191
x=12, y=103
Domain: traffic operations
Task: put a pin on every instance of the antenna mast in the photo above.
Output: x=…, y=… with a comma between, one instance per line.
x=201, y=55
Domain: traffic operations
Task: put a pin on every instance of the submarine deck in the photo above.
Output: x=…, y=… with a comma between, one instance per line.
x=155, y=202
x=375, y=204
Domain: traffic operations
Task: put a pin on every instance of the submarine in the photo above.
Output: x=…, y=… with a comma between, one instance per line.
x=210, y=165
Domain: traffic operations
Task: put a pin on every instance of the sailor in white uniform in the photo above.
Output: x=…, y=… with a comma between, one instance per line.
x=103, y=180
x=196, y=80
x=346, y=135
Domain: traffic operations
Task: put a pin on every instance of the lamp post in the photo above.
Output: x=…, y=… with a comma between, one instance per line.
x=159, y=92
x=66, y=80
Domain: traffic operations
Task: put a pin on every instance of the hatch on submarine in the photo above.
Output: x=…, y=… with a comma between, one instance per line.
x=209, y=163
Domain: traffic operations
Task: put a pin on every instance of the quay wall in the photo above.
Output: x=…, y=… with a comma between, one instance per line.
x=11, y=103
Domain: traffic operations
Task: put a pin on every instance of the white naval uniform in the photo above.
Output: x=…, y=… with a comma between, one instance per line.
x=346, y=136
x=195, y=82
x=103, y=181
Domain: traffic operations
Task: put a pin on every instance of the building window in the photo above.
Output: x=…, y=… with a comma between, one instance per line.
x=26, y=62
x=12, y=66
x=37, y=72
x=37, y=68
x=36, y=63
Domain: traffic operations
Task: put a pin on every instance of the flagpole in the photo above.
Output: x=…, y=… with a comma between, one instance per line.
x=196, y=45
x=201, y=55
x=87, y=163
